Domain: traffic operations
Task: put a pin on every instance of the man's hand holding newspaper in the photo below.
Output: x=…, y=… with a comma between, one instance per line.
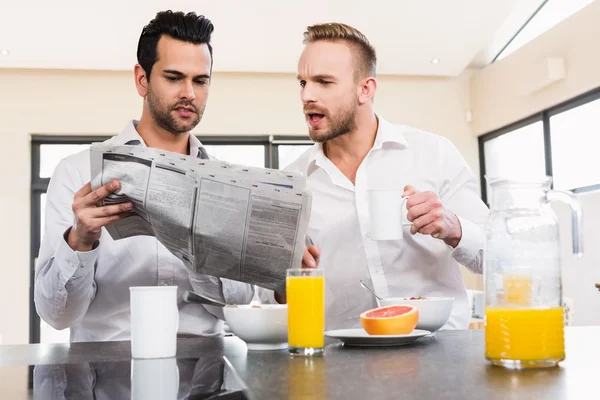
x=230, y=221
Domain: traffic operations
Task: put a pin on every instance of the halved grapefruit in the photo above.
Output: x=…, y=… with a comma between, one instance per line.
x=390, y=320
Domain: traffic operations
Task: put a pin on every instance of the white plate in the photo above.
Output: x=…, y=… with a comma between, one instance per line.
x=358, y=337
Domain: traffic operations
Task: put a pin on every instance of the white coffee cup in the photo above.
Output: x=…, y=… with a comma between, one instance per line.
x=387, y=208
x=154, y=321
x=154, y=379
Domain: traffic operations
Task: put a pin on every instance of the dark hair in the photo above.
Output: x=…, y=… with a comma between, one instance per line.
x=188, y=27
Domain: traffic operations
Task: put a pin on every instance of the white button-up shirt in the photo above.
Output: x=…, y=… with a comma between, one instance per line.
x=418, y=265
x=89, y=291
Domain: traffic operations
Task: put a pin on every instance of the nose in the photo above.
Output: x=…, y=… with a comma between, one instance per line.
x=307, y=94
x=187, y=91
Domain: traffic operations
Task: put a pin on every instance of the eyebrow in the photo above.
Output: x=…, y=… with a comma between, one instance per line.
x=182, y=75
x=318, y=77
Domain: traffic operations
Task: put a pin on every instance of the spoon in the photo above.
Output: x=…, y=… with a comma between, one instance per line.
x=193, y=297
x=369, y=290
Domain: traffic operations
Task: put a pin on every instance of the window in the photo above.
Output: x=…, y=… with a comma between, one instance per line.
x=252, y=155
x=550, y=13
x=525, y=146
x=560, y=142
x=42, y=215
x=51, y=154
x=575, y=136
x=48, y=151
x=287, y=153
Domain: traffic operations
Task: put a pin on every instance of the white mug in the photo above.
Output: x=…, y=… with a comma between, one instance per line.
x=154, y=321
x=387, y=208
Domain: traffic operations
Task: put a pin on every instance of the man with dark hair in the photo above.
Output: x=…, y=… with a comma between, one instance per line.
x=83, y=276
x=190, y=29
x=356, y=151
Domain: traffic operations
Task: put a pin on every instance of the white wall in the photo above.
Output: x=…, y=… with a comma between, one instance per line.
x=86, y=103
x=500, y=92
x=14, y=382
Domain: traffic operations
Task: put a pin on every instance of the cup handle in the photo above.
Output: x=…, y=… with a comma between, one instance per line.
x=404, y=200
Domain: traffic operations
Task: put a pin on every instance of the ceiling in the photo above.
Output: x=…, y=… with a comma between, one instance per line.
x=252, y=36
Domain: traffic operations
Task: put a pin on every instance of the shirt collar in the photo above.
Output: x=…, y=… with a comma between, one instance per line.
x=316, y=158
x=130, y=136
x=388, y=136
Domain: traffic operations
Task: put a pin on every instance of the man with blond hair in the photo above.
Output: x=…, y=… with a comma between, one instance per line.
x=355, y=150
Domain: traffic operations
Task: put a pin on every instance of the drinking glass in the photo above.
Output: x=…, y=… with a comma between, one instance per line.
x=305, y=289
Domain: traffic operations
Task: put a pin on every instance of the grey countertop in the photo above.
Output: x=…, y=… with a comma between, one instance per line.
x=450, y=365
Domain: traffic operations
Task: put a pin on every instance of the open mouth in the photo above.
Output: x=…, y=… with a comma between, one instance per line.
x=314, y=118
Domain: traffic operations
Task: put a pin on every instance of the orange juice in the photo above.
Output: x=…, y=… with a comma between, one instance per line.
x=517, y=289
x=306, y=311
x=526, y=335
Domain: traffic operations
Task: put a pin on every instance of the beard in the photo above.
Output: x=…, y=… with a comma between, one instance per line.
x=339, y=125
x=164, y=118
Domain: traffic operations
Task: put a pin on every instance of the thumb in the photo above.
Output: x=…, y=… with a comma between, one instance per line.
x=308, y=261
x=409, y=190
x=314, y=251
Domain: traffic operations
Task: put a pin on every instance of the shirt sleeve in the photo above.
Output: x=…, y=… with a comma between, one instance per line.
x=64, y=279
x=266, y=296
x=237, y=292
x=469, y=251
x=460, y=194
x=224, y=290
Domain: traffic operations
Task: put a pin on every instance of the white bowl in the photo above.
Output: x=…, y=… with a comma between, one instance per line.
x=434, y=312
x=263, y=328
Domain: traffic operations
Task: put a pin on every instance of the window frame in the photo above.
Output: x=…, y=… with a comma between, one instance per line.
x=39, y=186
x=537, y=10
x=543, y=116
x=541, y=8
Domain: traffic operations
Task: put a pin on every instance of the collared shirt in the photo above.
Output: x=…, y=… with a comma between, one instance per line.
x=417, y=265
x=88, y=292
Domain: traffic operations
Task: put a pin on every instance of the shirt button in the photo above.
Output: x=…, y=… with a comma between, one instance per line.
x=368, y=235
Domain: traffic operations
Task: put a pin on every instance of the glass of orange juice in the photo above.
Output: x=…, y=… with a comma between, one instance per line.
x=305, y=289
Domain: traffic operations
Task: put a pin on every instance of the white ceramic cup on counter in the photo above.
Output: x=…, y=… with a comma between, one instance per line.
x=154, y=321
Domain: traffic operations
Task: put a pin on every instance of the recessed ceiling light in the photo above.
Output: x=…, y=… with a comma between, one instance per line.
x=435, y=61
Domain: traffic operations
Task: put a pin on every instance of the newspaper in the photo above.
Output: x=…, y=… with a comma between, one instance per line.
x=226, y=220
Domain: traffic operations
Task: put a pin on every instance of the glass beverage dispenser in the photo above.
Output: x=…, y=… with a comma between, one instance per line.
x=524, y=325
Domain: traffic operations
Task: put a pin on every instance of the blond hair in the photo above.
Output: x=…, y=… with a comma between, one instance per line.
x=334, y=31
